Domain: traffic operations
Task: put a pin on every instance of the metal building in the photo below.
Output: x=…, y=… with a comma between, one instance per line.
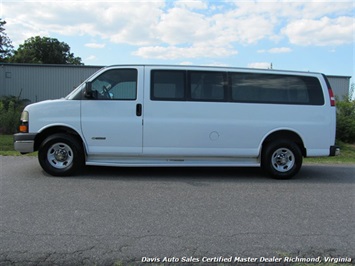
x=42, y=82
x=340, y=85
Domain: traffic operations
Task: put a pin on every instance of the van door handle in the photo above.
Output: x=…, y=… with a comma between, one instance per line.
x=139, y=109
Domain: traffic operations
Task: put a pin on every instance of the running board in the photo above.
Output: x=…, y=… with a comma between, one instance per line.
x=159, y=162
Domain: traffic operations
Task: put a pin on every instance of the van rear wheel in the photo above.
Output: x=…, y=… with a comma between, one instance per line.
x=60, y=155
x=282, y=159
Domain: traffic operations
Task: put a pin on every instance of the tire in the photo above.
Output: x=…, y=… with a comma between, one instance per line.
x=282, y=159
x=61, y=155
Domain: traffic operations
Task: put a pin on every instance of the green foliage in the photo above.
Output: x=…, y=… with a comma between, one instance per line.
x=10, y=112
x=44, y=50
x=346, y=121
x=347, y=156
x=6, y=47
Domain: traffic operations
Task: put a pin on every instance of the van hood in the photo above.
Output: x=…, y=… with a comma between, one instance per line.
x=41, y=104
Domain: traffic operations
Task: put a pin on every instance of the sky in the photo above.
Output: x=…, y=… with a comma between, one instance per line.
x=311, y=35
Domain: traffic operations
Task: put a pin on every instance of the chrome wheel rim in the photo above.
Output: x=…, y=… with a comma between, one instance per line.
x=60, y=155
x=283, y=160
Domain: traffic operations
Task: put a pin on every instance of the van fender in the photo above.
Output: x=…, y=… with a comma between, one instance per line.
x=283, y=133
x=50, y=129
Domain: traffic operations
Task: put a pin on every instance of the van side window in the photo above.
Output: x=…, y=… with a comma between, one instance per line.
x=207, y=86
x=272, y=88
x=168, y=85
x=116, y=84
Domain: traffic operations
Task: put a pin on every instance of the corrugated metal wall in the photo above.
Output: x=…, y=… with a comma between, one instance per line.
x=42, y=82
x=340, y=85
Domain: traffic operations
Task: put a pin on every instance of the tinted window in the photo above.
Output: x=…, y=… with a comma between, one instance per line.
x=116, y=84
x=235, y=87
x=267, y=88
x=207, y=86
x=168, y=85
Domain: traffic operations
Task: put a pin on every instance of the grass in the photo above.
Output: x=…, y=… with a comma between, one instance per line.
x=347, y=154
x=7, y=146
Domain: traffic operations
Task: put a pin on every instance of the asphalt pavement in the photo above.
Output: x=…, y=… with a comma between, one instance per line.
x=118, y=216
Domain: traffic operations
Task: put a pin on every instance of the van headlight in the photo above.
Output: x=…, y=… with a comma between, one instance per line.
x=23, y=128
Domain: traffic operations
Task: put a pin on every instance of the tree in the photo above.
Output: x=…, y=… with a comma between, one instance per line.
x=10, y=111
x=44, y=50
x=6, y=48
x=351, y=95
x=346, y=121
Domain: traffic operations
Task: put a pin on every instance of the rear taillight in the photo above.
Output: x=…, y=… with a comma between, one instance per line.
x=330, y=91
x=331, y=96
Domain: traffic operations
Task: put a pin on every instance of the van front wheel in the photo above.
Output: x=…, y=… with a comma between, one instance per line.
x=281, y=159
x=60, y=155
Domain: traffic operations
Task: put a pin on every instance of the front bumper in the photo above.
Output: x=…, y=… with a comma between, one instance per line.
x=24, y=142
x=334, y=151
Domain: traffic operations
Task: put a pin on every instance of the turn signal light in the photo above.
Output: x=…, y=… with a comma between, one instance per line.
x=23, y=128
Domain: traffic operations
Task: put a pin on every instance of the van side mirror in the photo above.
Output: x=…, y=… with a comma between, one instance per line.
x=88, y=92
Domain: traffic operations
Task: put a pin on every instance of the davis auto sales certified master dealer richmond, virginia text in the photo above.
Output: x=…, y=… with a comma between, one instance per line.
x=237, y=259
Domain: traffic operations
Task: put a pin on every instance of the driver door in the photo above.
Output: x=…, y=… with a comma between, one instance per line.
x=111, y=118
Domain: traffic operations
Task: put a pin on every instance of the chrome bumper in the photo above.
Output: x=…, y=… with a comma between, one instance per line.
x=24, y=142
x=334, y=151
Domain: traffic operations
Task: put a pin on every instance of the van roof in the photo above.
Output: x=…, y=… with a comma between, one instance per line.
x=225, y=68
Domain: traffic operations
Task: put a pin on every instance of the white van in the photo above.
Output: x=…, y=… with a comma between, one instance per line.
x=151, y=115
